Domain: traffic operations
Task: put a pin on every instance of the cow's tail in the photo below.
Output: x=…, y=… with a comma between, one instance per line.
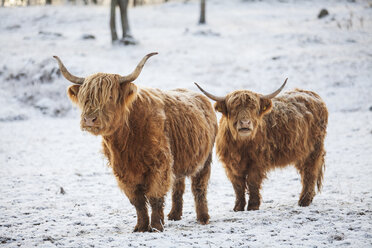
x=319, y=182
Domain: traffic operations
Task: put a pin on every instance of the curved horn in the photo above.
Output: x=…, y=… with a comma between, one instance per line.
x=134, y=75
x=275, y=93
x=213, y=97
x=67, y=74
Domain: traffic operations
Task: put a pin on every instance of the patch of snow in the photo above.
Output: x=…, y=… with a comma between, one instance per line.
x=246, y=44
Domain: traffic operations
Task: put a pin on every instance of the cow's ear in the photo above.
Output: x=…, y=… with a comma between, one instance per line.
x=129, y=92
x=72, y=93
x=265, y=106
x=221, y=107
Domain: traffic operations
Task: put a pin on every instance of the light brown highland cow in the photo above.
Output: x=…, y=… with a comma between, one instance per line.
x=153, y=139
x=259, y=133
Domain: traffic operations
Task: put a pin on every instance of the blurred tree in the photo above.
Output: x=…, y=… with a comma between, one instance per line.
x=138, y=2
x=2, y=3
x=48, y=2
x=202, y=12
x=86, y=2
x=127, y=38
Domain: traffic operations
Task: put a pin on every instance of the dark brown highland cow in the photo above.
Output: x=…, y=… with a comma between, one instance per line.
x=153, y=139
x=258, y=133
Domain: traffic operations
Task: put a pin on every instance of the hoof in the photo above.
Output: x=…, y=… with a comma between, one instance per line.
x=142, y=229
x=203, y=219
x=253, y=207
x=239, y=205
x=157, y=227
x=253, y=204
x=238, y=208
x=174, y=216
x=304, y=202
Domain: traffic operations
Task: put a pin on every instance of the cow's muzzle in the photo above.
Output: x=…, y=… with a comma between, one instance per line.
x=245, y=126
x=90, y=121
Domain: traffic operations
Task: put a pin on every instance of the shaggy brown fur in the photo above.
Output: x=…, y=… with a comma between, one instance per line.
x=153, y=139
x=257, y=135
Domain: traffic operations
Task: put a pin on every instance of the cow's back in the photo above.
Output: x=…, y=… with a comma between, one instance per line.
x=191, y=126
x=297, y=122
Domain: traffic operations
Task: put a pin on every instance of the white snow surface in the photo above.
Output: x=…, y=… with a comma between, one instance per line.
x=55, y=187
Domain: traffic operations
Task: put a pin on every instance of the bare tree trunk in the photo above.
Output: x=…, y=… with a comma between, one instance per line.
x=48, y=2
x=138, y=2
x=123, y=5
x=2, y=3
x=94, y=2
x=114, y=35
x=127, y=37
x=202, y=12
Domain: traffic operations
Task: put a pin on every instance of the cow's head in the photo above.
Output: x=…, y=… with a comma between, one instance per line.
x=243, y=110
x=104, y=99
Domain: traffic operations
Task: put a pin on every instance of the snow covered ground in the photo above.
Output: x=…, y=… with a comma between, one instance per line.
x=55, y=187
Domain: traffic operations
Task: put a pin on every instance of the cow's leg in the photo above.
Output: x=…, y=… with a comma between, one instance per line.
x=139, y=201
x=311, y=174
x=239, y=186
x=254, y=181
x=157, y=214
x=177, y=201
x=199, y=184
x=136, y=196
x=308, y=179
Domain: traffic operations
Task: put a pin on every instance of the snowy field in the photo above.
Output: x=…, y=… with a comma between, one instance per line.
x=55, y=187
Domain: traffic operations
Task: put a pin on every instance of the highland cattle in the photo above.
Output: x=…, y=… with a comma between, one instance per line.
x=258, y=133
x=153, y=139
